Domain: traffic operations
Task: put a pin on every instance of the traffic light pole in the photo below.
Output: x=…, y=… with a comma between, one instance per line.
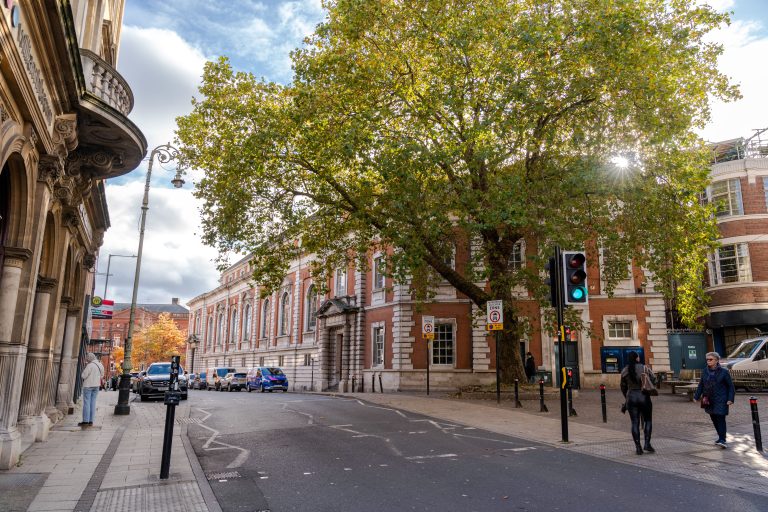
x=559, y=271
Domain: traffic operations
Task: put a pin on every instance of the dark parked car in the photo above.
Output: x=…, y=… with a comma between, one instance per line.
x=155, y=382
x=267, y=378
x=233, y=381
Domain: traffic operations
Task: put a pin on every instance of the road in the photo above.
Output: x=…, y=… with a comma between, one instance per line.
x=304, y=452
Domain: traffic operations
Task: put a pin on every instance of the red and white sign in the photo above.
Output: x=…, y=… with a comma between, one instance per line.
x=103, y=310
x=495, y=315
x=428, y=327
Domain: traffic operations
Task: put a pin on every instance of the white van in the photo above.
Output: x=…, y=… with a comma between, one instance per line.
x=215, y=375
x=751, y=354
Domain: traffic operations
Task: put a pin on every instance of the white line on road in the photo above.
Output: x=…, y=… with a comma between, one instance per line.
x=441, y=456
x=239, y=460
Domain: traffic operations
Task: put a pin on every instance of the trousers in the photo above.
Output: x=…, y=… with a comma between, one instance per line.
x=640, y=405
x=89, y=403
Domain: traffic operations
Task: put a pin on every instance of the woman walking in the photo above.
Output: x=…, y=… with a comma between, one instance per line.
x=637, y=402
x=716, y=393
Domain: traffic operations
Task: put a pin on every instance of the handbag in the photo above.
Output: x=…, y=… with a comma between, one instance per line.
x=704, y=401
x=646, y=384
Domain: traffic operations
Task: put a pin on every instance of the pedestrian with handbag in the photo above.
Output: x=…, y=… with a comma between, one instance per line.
x=92, y=375
x=637, y=381
x=717, y=393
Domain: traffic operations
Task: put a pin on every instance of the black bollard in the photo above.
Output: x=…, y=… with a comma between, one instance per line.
x=756, y=423
x=602, y=403
x=373, y=383
x=517, y=396
x=381, y=386
x=571, y=410
x=354, y=381
x=541, y=396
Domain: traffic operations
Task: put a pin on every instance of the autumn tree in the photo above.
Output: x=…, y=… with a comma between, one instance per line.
x=117, y=356
x=158, y=342
x=408, y=123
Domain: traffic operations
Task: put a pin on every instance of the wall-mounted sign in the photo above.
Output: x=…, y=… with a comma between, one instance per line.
x=102, y=309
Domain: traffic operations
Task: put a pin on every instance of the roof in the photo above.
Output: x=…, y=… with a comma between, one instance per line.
x=154, y=308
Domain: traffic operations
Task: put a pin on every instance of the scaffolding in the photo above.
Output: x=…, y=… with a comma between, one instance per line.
x=755, y=146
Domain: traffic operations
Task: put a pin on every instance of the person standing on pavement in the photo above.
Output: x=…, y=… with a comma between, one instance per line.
x=91, y=375
x=717, y=393
x=638, y=403
x=530, y=368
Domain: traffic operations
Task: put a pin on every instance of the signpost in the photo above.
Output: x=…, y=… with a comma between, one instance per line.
x=428, y=334
x=495, y=322
x=172, y=398
x=102, y=309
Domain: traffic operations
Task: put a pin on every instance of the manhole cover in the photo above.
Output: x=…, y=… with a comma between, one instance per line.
x=222, y=476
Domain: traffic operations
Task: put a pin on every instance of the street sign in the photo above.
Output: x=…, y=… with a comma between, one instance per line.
x=495, y=315
x=102, y=309
x=428, y=327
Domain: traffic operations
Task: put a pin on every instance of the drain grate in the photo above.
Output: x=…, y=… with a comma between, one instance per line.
x=222, y=476
x=179, y=421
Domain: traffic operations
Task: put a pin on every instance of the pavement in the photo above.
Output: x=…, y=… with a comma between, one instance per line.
x=115, y=464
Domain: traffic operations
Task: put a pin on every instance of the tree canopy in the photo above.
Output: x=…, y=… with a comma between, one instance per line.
x=158, y=342
x=409, y=122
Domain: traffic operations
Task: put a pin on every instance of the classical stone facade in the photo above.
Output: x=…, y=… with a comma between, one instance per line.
x=63, y=131
x=367, y=330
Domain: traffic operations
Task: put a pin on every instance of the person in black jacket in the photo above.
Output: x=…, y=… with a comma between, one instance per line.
x=530, y=368
x=637, y=402
x=717, y=392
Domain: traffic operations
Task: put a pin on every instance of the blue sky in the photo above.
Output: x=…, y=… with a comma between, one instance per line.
x=163, y=49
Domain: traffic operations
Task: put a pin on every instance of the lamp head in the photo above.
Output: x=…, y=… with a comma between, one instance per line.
x=177, y=181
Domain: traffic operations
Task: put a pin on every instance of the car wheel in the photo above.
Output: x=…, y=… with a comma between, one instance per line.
x=249, y=389
x=144, y=398
x=285, y=391
x=229, y=388
x=270, y=390
x=263, y=389
x=184, y=396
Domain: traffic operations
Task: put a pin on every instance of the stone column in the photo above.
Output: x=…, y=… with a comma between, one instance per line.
x=56, y=350
x=65, y=386
x=12, y=357
x=33, y=424
x=346, y=356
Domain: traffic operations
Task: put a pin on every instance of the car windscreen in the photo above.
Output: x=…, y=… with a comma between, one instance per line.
x=240, y=375
x=159, y=369
x=222, y=372
x=202, y=375
x=273, y=371
x=746, y=349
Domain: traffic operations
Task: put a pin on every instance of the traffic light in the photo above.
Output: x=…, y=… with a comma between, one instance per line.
x=567, y=380
x=575, y=278
x=552, y=281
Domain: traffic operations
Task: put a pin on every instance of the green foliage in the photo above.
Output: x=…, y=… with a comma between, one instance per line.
x=408, y=120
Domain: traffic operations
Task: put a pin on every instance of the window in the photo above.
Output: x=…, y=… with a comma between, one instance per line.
x=307, y=359
x=198, y=323
x=726, y=196
x=442, y=347
x=210, y=331
x=247, y=323
x=450, y=258
x=220, y=335
x=310, y=313
x=730, y=264
x=341, y=282
x=378, y=345
x=620, y=329
x=516, y=258
x=233, y=328
x=261, y=361
x=378, y=273
x=280, y=360
x=285, y=312
x=265, y=319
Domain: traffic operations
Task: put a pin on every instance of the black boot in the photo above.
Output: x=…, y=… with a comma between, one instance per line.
x=638, y=448
x=647, y=447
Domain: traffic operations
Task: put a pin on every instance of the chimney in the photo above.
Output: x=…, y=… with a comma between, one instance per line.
x=175, y=301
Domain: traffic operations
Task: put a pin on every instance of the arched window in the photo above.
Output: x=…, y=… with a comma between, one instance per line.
x=233, y=328
x=209, y=338
x=198, y=324
x=310, y=313
x=341, y=282
x=285, y=313
x=220, y=335
x=265, y=319
x=247, y=324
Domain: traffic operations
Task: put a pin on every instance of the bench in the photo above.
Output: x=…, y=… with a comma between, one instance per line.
x=685, y=378
x=751, y=380
x=689, y=390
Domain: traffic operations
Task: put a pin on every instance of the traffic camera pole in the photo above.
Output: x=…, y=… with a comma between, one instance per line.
x=561, y=337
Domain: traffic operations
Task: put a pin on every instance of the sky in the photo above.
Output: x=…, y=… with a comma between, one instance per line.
x=164, y=46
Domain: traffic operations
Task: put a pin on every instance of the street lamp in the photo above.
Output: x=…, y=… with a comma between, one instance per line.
x=193, y=343
x=312, y=377
x=164, y=153
x=109, y=263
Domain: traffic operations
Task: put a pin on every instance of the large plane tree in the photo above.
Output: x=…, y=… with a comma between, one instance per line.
x=427, y=124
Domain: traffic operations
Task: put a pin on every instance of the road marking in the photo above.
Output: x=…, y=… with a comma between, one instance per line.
x=239, y=460
x=441, y=456
x=524, y=449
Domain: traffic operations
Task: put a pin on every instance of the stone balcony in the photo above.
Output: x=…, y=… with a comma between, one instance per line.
x=106, y=83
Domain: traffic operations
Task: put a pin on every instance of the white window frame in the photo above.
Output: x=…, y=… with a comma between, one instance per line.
x=340, y=282
x=310, y=313
x=378, y=343
x=632, y=341
x=436, y=343
x=265, y=318
x=233, y=327
x=285, y=313
x=519, y=249
x=626, y=329
x=220, y=336
x=247, y=323
x=728, y=202
x=743, y=265
x=379, y=277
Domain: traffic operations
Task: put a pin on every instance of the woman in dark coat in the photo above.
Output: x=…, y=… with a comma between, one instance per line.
x=530, y=368
x=717, y=391
x=637, y=402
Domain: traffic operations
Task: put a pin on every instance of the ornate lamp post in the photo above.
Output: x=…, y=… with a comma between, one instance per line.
x=164, y=153
x=193, y=343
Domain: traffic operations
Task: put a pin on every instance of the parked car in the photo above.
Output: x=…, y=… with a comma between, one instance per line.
x=216, y=374
x=751, y=354
x=200, y=382
x=157, y=379
x=233, y=381
x=135, y=379
x=267, y=378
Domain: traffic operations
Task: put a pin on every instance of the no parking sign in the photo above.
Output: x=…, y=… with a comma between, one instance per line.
x=495, y=315
x=428, y=327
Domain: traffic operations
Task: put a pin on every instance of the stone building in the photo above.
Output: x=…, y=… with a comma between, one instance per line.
x=366, y=330
x=738, y=269
x=63, y=131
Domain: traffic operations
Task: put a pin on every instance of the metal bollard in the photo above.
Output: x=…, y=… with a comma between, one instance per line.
x=602, y=403
x=517, y=396
x=571, y=410
x=541, y=396
x=354, y=390
x=381, y=387
x=756, y=423
x=373, y=383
